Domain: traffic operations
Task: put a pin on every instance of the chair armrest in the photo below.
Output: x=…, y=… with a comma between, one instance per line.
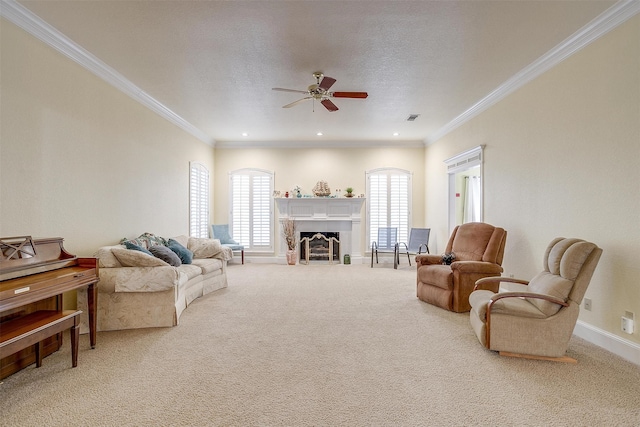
x=481, y=283
x=476, y=267
x=502, y=295
x=428, y=260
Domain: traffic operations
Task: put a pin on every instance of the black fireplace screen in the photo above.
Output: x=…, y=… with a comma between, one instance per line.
x=318, y=246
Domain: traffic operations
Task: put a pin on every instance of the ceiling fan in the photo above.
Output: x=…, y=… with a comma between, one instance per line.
x=320, y=92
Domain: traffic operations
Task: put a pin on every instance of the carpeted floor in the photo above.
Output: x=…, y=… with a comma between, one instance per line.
x=318, y=345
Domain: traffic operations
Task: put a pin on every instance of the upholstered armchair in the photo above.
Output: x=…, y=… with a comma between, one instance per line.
x=221, y=232
x=537, y=321
x=478, y=249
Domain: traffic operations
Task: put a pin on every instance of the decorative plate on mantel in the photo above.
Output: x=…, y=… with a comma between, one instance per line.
x=321, y=189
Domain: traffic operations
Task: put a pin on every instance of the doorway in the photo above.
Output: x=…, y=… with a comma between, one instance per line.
x=465, y=187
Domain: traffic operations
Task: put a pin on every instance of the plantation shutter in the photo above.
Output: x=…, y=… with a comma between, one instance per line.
x=251, y=216
x=399, y=205
x=240, y=212
x=198, y=200
x=261, y=212
x=378, y=211
x=389, y=201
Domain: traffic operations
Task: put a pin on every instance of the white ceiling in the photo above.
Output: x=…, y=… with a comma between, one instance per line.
x=213, y=63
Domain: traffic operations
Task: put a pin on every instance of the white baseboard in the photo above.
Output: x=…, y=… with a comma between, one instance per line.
x=624, y=348
x=283, y=260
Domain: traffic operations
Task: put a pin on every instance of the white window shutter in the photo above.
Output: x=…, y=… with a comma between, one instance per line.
x=198, y=200
x=389, y=202
x=251, y=216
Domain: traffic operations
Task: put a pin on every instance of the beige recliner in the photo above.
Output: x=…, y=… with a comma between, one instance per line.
x=537, y=321
x=478, y=249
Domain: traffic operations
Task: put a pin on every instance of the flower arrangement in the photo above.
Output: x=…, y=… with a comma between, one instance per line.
x=289, y=233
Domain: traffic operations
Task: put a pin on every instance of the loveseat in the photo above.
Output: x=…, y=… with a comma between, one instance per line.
x=140, y=290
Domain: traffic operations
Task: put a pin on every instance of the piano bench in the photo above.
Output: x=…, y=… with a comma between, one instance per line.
x=32, y=329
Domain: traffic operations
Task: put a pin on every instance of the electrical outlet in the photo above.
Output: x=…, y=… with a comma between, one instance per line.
x=587, y=304
x=627, y=322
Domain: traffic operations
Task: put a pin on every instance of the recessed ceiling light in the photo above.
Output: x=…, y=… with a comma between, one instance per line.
x=319, y=133
x=396, y=134
x=245, y=134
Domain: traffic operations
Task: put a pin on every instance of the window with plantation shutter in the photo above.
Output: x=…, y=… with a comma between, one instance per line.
x=198, y=200
x=251, y=203
x=388, y=202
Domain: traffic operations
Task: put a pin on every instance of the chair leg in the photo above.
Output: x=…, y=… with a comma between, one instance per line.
x=242, y=255
x=396, y=257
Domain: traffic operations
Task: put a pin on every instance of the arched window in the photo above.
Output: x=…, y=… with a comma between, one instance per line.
x=251, y=208
x=388, y=202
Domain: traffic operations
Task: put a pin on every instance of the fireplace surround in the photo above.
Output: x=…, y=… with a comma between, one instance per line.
x=325, y=215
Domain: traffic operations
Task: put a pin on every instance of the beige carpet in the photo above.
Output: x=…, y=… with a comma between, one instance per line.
x=317, y=345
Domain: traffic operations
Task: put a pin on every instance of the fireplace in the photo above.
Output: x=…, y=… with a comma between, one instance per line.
x=340, y=215
x=322, y=246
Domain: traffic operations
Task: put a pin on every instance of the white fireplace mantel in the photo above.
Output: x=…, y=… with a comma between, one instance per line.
x=326, y=214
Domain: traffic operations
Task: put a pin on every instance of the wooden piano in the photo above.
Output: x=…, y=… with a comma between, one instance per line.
x=34, y=273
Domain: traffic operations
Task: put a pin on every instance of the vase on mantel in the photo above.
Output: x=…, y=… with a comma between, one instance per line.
x=292, y=256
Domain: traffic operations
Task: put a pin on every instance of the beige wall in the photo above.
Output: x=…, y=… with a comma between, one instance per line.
x=562, y=158
x=339, y=167
x=81, y=160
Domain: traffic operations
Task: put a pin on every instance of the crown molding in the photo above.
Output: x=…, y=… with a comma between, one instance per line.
x=34, y=25
x=31, y=23
x=601, y=25
x=320, y=144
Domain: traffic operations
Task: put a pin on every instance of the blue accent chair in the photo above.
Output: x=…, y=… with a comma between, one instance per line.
x=221, y=232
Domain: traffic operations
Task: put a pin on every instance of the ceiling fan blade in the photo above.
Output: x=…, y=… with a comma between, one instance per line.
x=289, y=90
x=294, y=103
x=326, y=83
x=329, y=105
x=349, y=94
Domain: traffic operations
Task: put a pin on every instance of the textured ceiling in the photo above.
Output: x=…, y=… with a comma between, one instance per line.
x=214, y=63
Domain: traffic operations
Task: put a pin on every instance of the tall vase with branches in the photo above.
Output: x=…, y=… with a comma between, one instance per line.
x=291, y=238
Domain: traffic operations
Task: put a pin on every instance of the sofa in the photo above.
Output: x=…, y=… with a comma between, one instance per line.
x=138, y=289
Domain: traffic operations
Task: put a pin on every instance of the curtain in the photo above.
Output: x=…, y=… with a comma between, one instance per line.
x=471, y=210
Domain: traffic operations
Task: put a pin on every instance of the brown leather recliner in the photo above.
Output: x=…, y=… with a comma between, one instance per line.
x=478, y=249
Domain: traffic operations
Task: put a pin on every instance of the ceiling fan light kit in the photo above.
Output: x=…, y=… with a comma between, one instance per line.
x=320, y=92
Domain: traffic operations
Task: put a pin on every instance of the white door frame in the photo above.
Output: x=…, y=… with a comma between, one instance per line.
x=458, y=163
